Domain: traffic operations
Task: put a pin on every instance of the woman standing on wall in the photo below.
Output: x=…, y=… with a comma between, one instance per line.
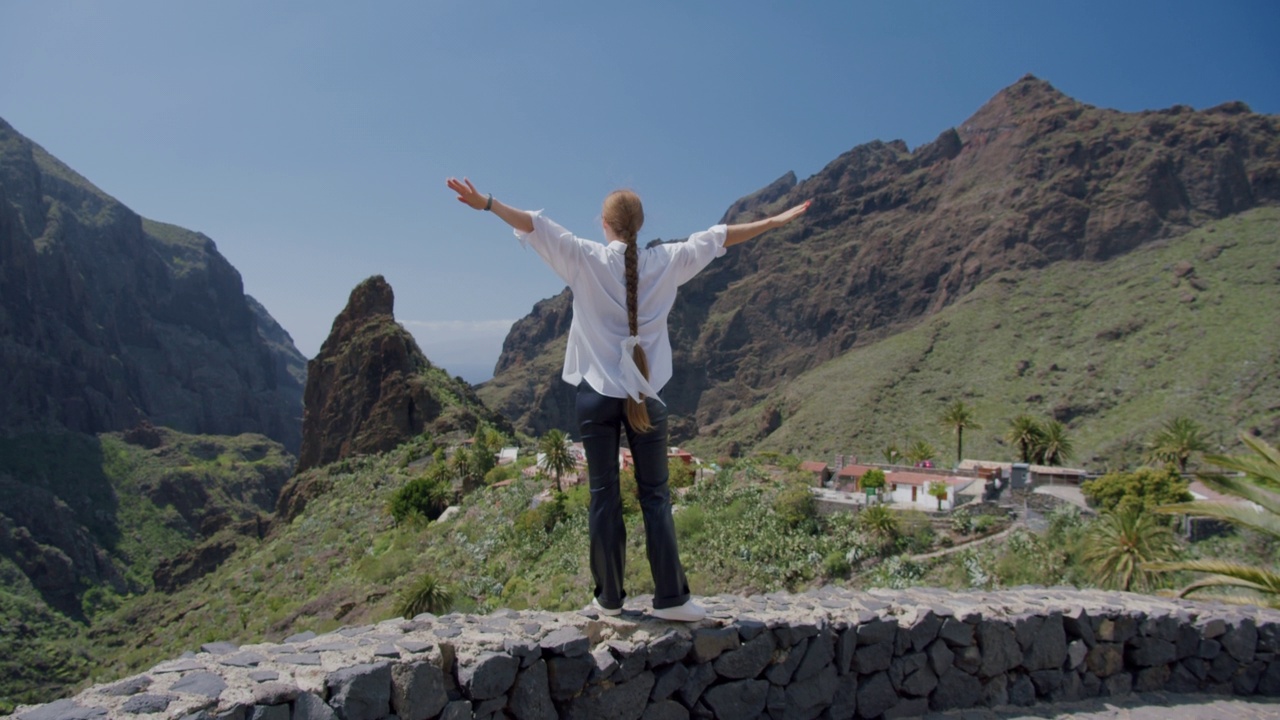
x=619, y=357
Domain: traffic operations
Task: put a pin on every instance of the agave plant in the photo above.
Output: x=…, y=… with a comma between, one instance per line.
x=426, y=595
x=1259, y=485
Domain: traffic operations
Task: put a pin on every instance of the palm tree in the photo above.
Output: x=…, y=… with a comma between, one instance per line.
x=879, y=521
x=960, y=416
x=1054, y=447
x=891, y=453
x=1121, y=545
x=1024, y=432
x=557, y=457
x=1259, y=485
x=1177, y=441
x=939, y=491
x=920, y=451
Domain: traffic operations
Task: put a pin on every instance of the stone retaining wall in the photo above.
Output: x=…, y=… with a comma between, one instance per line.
x=829, y=653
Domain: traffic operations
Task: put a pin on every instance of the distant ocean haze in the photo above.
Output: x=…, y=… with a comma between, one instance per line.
x=466, y=348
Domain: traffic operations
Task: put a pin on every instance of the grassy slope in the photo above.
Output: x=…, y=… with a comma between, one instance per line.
x=1115, y=346
x=107, y=482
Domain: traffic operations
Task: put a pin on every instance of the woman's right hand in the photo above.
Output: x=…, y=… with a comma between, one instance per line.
x=467, y=193
x=783, y=218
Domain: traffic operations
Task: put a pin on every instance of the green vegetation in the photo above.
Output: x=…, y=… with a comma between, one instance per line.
x=939, y=491
x=959, y=417
x=1259, y=484
x=872, y=480
x=1144, y=489
x=1112, y=350
x=1123, y=543
x=426, y=595
x=1176, y=442
x=128, y=505
x=557, y=458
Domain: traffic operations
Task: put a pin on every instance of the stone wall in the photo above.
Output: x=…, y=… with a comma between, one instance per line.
x=829, y=653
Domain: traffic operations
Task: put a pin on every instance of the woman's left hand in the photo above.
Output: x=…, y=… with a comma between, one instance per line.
x=467, y=193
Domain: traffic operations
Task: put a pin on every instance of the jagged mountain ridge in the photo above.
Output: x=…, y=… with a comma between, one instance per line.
x=895, y=235
x=108, y=318
x=371, y=388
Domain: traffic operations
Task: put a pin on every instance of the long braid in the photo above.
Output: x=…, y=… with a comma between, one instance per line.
x=637, y=413
x=624, y=214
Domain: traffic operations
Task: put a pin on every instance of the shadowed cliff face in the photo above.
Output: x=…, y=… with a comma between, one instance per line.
x=107, y=318
x=895, y=235
x=370, y=388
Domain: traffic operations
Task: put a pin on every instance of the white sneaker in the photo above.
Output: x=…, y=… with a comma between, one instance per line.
x=595, y=603
x=688, y=612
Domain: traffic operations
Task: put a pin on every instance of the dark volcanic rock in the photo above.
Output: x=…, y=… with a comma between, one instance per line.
x=895, y=235
x=109, y=318
x=371, y=388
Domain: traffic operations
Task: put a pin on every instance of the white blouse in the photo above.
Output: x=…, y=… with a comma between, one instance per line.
x=599, y=340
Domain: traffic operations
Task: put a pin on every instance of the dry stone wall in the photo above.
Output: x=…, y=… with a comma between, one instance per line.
x=829, y=653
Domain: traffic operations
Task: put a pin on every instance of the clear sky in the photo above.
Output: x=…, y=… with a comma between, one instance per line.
x=311, y=140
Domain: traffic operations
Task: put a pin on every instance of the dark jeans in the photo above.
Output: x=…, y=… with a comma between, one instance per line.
x=601, y=420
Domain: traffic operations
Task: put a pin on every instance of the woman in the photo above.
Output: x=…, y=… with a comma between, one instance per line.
x=619, y=357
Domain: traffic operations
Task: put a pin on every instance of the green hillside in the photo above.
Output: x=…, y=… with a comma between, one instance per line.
x=85, y=523
x=1186, y=326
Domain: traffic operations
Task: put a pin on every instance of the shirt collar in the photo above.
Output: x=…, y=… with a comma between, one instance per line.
x=615, y=244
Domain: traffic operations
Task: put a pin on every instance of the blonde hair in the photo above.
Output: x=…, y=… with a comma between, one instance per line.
x=624, y=215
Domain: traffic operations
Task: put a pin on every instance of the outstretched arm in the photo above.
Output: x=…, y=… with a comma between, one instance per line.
x=468, y=195
x=745, y=231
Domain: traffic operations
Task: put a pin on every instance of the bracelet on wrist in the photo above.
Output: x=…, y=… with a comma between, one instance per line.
x=489, y=205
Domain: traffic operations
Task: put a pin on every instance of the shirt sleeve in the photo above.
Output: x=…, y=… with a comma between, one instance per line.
x=558, y=247
x=689, y=257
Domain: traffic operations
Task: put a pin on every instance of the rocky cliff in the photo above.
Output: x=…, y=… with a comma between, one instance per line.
x=107, y=318
x=894, y=235
x=371, y=388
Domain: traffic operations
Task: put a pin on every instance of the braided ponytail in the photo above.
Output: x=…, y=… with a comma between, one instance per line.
x=624, y=215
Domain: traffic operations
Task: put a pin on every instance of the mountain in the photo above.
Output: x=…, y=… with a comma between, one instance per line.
x=894, y=236
x=108, y=319
x=371, y=388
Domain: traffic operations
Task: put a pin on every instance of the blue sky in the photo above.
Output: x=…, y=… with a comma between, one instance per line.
x=311, y=140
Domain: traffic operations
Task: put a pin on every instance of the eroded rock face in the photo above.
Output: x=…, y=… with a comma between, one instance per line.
x=894, y=235
x=371, y=388
x=108, y=319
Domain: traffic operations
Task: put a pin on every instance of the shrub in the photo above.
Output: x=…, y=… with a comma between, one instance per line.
x=690, y=522
x=630, y=492
x=426, y=495
x=879, y=521
x=426, y=595
x=836, y=565
x=544, y=517
x=795, y=504
x=1143, y=489
x=873, y=479
x=679, y=473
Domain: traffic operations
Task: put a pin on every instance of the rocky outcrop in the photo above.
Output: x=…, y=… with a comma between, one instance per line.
x=830, y=653
x=894, y=235
x=370, y=388
x=107, y=318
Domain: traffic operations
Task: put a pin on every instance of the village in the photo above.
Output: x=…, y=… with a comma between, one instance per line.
x=840, y=483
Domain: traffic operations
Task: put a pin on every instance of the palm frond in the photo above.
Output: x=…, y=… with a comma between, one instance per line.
x=1243, y=515
x=1244, y=487
x=1223, y=573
